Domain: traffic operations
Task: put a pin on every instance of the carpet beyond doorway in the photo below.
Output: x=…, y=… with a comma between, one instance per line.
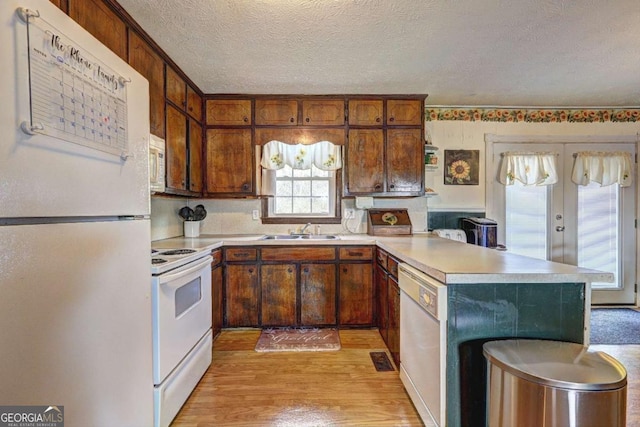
x=615, y=326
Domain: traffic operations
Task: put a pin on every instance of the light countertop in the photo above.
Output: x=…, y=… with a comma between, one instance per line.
x=447, y=261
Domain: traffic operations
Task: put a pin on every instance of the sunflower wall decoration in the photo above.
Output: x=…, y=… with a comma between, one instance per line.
x=461, y=167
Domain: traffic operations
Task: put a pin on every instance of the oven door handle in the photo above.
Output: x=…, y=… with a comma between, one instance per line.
x=167, y=278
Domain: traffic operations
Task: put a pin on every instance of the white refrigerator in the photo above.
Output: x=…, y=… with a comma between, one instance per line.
x=75, y=309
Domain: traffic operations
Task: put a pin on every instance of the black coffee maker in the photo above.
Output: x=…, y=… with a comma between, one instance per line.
x=481, y=231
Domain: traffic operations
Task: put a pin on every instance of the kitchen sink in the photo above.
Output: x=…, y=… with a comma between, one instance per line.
x=299, y=237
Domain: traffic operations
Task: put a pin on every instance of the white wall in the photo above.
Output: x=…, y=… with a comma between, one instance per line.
x=235, y=216
x=463, y=135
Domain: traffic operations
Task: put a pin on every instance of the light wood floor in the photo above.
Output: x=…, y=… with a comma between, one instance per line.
x=246, y=388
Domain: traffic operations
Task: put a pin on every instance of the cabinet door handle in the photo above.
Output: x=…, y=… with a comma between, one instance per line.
x=377, y=186
x=306, y=270
x=377, y=119
x=392, y=186
x=245, y=119
x=251, y=270
x=345, y=270
x=289, y=270
x=307, y=120
x=292, y=120
x=391, y=119
x=245, y=187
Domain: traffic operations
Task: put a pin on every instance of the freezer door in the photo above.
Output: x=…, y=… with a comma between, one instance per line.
x=76, y=320
x=44, y=176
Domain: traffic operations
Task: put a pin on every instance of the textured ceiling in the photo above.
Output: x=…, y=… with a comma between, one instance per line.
x=459, y=52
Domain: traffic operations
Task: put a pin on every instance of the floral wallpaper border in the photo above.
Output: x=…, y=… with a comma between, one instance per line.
x=533, y=115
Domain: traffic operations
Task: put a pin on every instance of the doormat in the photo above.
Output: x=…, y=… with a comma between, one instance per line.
x=381, y=361
x=615, y=326
x=298, y=340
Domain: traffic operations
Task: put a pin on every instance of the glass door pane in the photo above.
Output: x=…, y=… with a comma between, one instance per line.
x=598, y=230
x=526, y=220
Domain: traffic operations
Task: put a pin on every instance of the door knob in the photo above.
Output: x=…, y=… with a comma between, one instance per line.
x=560, y=228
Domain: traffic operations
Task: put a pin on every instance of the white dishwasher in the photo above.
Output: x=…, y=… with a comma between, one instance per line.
x=423, y=343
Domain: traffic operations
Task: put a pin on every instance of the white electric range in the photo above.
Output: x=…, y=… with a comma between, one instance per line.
x=182, y=339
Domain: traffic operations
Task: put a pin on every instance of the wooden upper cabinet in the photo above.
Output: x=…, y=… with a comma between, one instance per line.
x=148, y=63
x=194, y=104
x=365, y=112
x=176, y=89
x=405, y=165
x=61, y=4
x=176, y=141
x=277, y=112
x=365, y=161
x=229, y=161
x=323, y=112
x=98, y=19
x=195, y=156
x=404, y=112
x=228, y=112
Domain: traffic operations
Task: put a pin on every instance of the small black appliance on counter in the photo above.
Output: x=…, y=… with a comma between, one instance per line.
x=481, y=231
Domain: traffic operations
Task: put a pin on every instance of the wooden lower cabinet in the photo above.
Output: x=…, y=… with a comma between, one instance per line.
x=356, y=294
x=317, y=294
x=217, y=309
x=298, y=286
x=278, y=283
x=242, y=291
x=382, y=298
x=393, y=327
x=388, y=302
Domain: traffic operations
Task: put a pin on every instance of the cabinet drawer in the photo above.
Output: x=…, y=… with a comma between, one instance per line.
x=217, y=257
x=392, y=266
x=381, y=258
x=356, y=253
x=241, y=254
x=300, y=253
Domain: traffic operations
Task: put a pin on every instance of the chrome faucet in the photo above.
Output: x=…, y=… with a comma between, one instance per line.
x=305, y=228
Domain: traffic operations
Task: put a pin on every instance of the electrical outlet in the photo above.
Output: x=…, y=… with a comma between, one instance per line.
x=255, y=214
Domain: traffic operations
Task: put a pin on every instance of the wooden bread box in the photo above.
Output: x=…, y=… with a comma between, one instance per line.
x=388, y=222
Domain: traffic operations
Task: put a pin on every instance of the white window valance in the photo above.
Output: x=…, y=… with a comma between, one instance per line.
x=529, y=168
x=605, y=168
x=324, y=155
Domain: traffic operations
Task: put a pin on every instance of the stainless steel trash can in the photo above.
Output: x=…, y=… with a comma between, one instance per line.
x=553, y=384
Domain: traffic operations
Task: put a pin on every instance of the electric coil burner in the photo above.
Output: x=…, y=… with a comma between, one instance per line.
x=163, y=260
x=177, y=252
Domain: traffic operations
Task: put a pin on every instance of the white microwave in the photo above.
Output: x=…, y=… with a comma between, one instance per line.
x=156, y=164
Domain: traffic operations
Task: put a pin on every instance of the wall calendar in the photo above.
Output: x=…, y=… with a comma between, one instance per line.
x=73, y=95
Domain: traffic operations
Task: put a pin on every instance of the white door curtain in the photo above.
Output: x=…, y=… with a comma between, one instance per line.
x=605, y=168
x=528, y=168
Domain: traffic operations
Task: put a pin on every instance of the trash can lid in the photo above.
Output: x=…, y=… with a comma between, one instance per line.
x=557, y=364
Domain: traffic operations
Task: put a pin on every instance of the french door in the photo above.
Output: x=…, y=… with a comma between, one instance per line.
x=588, y=226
